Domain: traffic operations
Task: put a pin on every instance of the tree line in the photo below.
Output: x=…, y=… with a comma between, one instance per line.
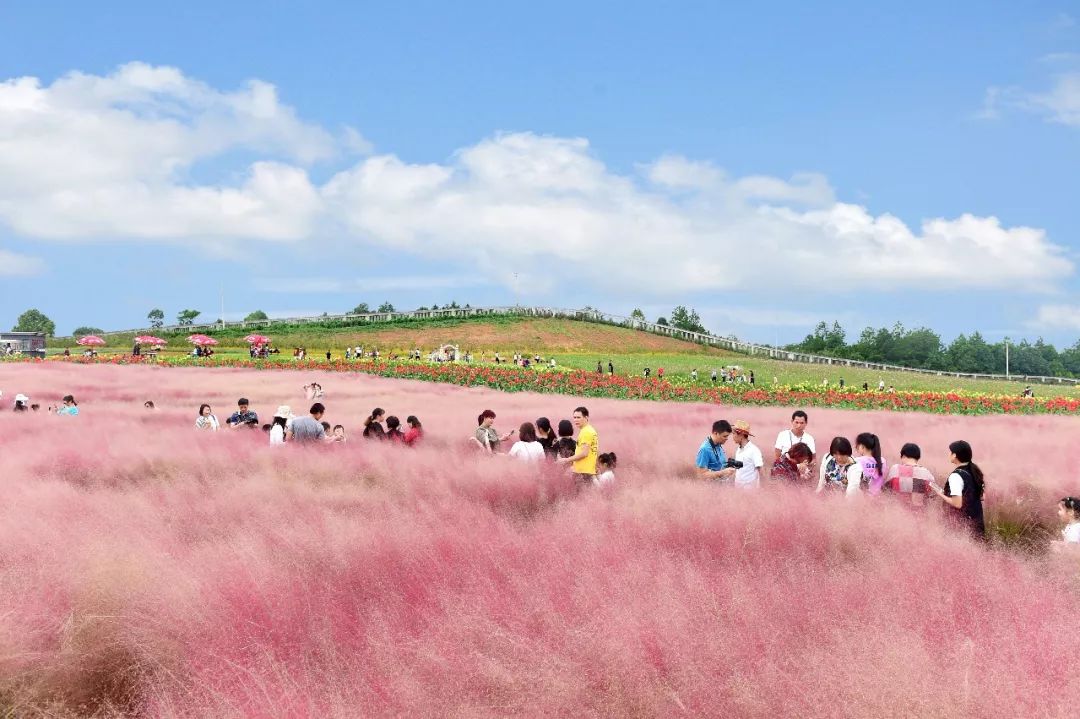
x=923, y=348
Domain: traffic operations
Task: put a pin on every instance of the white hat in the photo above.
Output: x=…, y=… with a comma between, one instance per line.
x=21, y=398
x=284, y=411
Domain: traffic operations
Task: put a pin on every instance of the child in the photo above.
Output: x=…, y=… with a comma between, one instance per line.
x=605, y=469
x=339, y=434
x=1069, y=512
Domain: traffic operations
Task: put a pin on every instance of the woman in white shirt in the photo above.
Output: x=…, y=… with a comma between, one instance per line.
x=279, y=428
x=527, y=448
x=605, y=469
x=1069, y=512
x=206, y=419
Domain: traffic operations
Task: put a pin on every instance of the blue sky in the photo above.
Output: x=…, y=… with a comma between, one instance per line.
x=769, y=165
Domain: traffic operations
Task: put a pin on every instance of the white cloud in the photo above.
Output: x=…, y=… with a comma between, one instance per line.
x=361, y=284
x=89, y=158
x=1057, y=317
x=13, y=264
x=1061, y=103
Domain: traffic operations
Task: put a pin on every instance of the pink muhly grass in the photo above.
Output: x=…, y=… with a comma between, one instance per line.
x=150, y=569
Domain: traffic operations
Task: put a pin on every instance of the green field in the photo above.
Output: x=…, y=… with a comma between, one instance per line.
x=573, y=343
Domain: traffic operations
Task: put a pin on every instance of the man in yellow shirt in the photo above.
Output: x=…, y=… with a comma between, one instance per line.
x=588, y=448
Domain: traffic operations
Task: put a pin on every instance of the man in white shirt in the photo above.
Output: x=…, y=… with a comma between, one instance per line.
x=796, y=434
x=749, y=475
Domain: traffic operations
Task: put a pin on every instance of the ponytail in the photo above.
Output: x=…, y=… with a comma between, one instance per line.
x=374, y=413
x=963, y=453
x=872, y=443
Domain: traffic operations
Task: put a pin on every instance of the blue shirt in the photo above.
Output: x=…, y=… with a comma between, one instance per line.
x=711, y=456
x=71, y=411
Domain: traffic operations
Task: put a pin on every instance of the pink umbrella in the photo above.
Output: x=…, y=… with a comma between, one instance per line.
x=202, y=340
x=150, y=340
x=257, y=340
x=90, y=341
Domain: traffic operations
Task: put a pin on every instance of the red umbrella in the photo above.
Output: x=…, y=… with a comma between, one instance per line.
x=90, y=341
x=257, y=340
x=202, y=340
x=149, y=340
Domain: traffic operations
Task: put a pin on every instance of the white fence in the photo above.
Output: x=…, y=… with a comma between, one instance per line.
x=591, y=315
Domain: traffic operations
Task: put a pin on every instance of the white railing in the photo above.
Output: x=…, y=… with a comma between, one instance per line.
x=592, y=315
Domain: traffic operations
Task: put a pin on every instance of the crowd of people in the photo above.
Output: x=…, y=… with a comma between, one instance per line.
x=540, y=441
x=286, y=427
x=846, y=469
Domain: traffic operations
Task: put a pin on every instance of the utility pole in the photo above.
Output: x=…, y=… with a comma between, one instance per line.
x=517, y=302
x=222, y=305
x=1007, y=358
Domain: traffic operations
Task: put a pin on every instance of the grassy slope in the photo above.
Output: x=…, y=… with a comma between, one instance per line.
x=574, y=344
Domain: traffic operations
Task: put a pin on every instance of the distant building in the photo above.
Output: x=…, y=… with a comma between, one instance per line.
x=25, y=343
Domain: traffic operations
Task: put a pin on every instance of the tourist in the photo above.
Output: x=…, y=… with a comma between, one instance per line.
x=840, y=472
x=751, y=376
x=1069, y=513
x=610, y=368
x=748, y=475
x=206, y=419
x=545, y=435
x=308, y=429
x=328, y=355
x=393, y=429
x=583, y=462
x=415, y=431
x=279, y=428
x=909, y=479
x=881, y=385
x=605, y=468
x=868, y=455
x=599, y=367
x=149, y=404
x=526, y=448
x=22, y=403
x=566, y=445
x=794, y=464
x=711, y=461
x=348, y=353
x=660, y=373
x=841, y=383
x=373, y=424
x=714, y=376
x=338, y=435
x=964, y=489
x=243, y=416
x=486, y=436
x=693, y=374
x=646, y=373
x=313, y=390
x=70, y=408
x=796, y=433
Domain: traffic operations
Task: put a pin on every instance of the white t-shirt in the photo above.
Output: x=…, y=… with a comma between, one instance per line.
x=1071, y=533
x=608, y=477
x=277, y=434
x=749, y=475
x=527, y=451
x=785, y=439
x=955, y=485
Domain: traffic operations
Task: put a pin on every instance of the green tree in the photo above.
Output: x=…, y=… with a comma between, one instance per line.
x=386, y=307
x=662, y=321
x=86, y=330
x=156, y=317
x=637, y=314
x=256, y=316
x=361, y=309
x=35, y=321
x=186, y=318
x=687, y=319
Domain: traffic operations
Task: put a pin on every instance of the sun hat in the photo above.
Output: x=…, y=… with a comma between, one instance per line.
x=21, y=398
x=741, y=425
x=284, y=411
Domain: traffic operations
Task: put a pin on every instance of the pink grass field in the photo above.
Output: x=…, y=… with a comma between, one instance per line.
x=147, y=570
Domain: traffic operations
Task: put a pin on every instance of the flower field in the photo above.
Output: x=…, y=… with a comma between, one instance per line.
x=591, y=384
x=152, y=571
